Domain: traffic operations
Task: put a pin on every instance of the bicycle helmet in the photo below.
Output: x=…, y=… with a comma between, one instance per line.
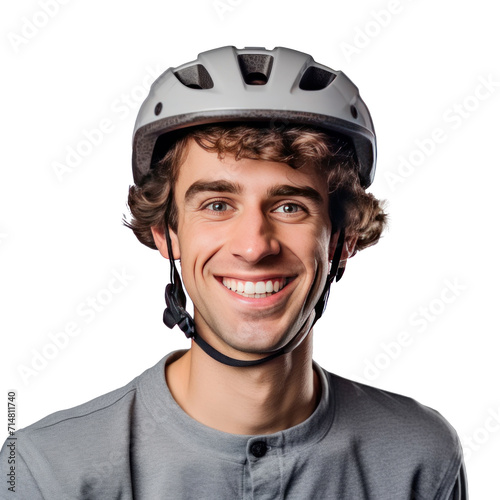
x=254, y=85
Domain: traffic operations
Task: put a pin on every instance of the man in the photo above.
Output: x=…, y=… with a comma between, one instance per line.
x=250, y=167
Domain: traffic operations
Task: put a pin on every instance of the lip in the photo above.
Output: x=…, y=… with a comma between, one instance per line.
x=268, y=301
x=255, y=278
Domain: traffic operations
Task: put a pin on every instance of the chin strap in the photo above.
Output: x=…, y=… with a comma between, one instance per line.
x=176, y=314
x=226, y=360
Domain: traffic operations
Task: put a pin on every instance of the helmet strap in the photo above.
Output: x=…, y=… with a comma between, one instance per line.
x=335, y=273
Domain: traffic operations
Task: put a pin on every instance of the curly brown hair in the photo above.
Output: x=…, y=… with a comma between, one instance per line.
x=351, y=207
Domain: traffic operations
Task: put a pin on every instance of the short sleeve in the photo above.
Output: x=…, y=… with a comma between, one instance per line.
x=459, y=491
x=26, y=487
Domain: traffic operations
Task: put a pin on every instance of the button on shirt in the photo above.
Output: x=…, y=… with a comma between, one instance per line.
x=258, y=448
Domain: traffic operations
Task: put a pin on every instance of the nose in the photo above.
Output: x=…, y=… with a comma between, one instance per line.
x=253, y=237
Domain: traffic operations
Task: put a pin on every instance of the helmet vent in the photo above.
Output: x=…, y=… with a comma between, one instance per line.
x=316, y=79
x=195, y=77
x=255, y=68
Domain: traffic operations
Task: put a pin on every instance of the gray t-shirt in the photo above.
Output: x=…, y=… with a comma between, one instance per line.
x=136, y=442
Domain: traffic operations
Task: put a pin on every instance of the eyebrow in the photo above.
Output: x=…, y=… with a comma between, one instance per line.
x=302, y=191
x=217, y=186
x=222, y=186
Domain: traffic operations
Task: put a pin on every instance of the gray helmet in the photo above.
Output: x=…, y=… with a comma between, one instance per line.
x=280, y=86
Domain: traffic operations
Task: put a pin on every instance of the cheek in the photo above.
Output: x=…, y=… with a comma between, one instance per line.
x=311, y=248
x=322, y=256
x=317, y=244
x=197, y=245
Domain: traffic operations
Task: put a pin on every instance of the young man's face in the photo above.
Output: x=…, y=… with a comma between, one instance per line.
x=254, y=241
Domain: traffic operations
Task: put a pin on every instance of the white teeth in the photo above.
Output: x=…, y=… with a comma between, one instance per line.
x=258, y=290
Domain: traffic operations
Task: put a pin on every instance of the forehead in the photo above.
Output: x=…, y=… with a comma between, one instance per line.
x=200, y=164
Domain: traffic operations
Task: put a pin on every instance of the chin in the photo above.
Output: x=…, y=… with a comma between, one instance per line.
x=260, y=343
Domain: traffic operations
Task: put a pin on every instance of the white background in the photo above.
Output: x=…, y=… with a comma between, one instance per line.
x=61, y=237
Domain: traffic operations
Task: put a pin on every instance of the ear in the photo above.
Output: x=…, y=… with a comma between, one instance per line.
x=348, y=249
x=161, y=242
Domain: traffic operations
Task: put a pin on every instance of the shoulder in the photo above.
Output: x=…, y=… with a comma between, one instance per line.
x=62, y=454
x=105, y=412
x=395, y=432
x=392, y=415
x=89, y=443
x=94, y=414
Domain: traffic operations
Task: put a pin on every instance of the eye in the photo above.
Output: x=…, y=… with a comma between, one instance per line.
x=217, y=206
x=288, y=208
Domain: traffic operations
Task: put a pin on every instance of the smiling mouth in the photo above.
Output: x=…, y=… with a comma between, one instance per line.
x=256, y=289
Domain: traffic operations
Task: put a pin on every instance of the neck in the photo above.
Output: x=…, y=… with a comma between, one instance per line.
x=262, y=399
